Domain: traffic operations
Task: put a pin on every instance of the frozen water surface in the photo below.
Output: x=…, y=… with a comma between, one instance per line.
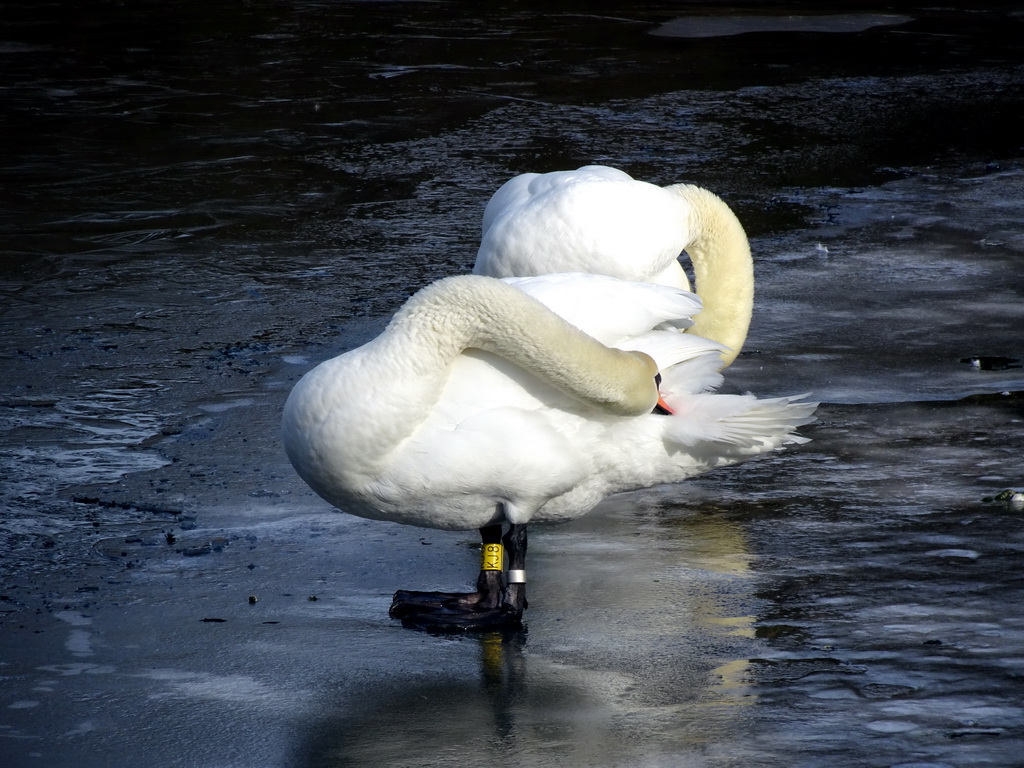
x=201, y=202
x=738, y=24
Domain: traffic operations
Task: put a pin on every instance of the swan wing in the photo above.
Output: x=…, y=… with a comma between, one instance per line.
x=609, y=309
x=688, y=364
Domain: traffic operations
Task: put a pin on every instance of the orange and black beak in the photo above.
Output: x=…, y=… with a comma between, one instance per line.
x=661, y=407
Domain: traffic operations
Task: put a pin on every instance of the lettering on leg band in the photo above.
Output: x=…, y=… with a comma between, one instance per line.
x=492, y=558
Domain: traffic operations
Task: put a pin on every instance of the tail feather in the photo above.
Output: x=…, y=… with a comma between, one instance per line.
x=741, y=425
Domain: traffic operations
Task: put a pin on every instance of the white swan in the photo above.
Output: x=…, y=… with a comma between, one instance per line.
x=478, y=405
x=600, y=220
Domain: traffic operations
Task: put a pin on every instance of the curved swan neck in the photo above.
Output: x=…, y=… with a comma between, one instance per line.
x=723, y=270
x=474, y=312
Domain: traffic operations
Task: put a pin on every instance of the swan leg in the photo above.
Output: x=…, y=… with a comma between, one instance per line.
x=515, y=587
x=495, y=604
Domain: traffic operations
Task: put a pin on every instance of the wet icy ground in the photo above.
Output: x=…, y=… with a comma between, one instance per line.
x=191, y=221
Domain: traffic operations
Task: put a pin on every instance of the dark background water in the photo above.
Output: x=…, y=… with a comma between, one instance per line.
x=201, y=200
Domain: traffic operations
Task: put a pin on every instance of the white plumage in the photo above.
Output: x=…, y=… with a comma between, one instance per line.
x=432, y=426
x=594, y=219
x=601, y=221
x=529, y=399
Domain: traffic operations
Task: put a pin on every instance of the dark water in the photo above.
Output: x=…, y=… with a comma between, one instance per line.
x=200, y=201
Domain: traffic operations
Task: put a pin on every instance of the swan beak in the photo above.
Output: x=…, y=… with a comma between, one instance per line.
x=661, y=407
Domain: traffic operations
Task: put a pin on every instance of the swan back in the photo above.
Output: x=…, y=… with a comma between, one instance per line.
x=594, y=219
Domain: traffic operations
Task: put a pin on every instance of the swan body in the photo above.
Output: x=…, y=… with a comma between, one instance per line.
x=528, y=400
x=600, y=220
x=575, y=363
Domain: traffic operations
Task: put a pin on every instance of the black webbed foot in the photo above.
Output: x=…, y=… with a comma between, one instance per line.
x=492, y=606
x=450, y=612
x=497, y=603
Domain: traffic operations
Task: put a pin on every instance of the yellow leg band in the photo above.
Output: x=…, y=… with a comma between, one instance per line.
x=492, y=558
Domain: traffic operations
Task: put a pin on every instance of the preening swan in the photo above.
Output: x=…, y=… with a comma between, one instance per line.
x=487, y=402
x=602, y=221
